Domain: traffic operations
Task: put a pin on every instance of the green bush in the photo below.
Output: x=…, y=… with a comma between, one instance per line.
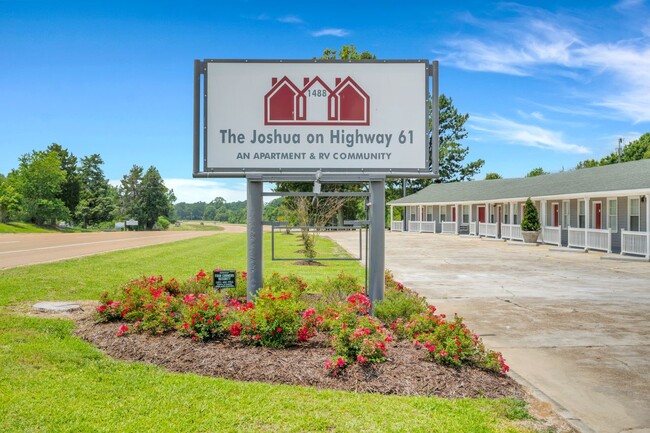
x=530, y=221
x=333, y=291
x=162, y=223
x=399, y=304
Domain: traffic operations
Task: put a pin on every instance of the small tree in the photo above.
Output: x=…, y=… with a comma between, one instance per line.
x=530, y=222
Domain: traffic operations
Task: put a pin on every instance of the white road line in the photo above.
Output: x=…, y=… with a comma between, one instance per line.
x=80, y=244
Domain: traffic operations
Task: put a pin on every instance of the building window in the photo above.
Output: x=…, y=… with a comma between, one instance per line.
x=414, y=213
x=566, y=214
x=515, y=215
x=429, y=213
x=506, y=214
x=635, y=213
x=465, y=214
x=443, y=213
x=581, y=214
x=612, y=214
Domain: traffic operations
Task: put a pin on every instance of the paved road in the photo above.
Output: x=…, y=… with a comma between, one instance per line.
x=30, y=248
x=572, y=325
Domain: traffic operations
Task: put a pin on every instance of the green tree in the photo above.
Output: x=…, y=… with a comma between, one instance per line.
x=71, y=187
x=38, y=180
x=493, y=176
x=155, y=198
x=130, y=192
x=10, y=200
x=587, y=163
x=536, y=172
x=633, y=151
x=347, y=52
x=97, y=203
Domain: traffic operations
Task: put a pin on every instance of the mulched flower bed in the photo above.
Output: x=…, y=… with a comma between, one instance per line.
x=406, y=372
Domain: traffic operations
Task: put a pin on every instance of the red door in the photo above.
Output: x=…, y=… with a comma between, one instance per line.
x=597, y=215
x=453, y=214
x=556, y=215
x=481, y=214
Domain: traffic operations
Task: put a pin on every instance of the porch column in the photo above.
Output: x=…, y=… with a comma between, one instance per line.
x=647, y=225
x=391, y=218
x=587, y=214
x=512, y=213
x=470, y=217
x=542, y=205
x=458, y=217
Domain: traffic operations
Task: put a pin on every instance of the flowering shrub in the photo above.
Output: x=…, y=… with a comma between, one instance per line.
x=203, y=318
x=291, y=284
x=399, y=303
x=310, y=323
x=448, y=342
x=200, y=283
x=356, y=336
x=333, y=291
x=274, y=321
x=363, y=342
x=146, y=302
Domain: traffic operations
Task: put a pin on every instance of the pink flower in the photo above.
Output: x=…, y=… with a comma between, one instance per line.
x=340, y=362
x=328, y=364
x=361, y=359
x=101, y=308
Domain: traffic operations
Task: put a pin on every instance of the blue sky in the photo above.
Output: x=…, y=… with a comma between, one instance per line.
x=545, y=83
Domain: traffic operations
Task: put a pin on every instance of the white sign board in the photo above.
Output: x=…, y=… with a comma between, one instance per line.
x=306, y=116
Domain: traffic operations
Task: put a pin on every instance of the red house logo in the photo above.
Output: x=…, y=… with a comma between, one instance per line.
x=316, y=103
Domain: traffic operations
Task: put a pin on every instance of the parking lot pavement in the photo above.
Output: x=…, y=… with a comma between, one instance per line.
x=572, y=326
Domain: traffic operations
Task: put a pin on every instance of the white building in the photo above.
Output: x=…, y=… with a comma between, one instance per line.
x=603, y=208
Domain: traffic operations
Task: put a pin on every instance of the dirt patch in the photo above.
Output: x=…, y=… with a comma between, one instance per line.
x=309, y=263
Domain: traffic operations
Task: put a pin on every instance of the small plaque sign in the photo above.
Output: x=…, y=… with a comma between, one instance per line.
x=224, y=279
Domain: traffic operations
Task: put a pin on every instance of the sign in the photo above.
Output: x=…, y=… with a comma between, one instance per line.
x=119, y=226
x=131, y=223
x=308, y=116
x=224, y=279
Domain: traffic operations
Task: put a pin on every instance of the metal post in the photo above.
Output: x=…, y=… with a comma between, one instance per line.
x=647, y=224
x=254, y=207
x=377, y=240
x=435, y=157
x=197, y=114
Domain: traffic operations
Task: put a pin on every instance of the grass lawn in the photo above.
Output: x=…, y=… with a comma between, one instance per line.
x=53, y=381
x=19, y=227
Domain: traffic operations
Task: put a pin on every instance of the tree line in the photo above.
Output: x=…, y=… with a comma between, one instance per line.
x=54, y=185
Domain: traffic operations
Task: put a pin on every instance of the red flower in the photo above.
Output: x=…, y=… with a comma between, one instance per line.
x=123, y=330
x=235, y=330
x=362, y=360
x=340, y=362
x=101, y=308
x=328, y=364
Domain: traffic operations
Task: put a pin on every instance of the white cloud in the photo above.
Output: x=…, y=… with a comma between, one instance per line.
x=512, y=132
x=290, y=19
x=331, y=32
x=626, y=5
x=534, y=115
x=536, y=43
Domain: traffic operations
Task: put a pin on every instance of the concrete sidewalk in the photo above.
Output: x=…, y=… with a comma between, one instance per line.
x=573, y=326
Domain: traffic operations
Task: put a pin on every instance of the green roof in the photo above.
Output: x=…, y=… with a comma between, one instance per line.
x=616, y=177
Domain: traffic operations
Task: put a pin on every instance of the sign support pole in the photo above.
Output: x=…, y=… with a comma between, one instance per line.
x=376, y=261
x=254, y=207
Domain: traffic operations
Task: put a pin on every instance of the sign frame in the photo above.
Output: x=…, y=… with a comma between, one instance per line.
x=201, y=147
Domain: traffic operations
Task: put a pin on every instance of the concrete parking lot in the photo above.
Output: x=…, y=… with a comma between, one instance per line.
x=571, y=326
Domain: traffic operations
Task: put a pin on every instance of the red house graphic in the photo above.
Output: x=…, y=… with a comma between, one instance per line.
x=316, y=103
